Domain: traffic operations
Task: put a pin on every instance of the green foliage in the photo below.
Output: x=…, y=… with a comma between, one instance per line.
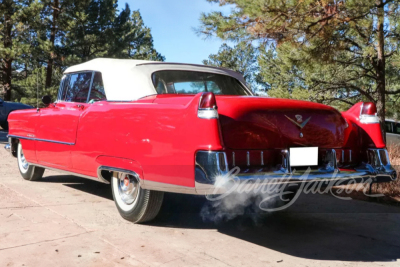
x=99, y=31
x=336, y=52
x=46, y=36
x=241, y=58
x=33, y=87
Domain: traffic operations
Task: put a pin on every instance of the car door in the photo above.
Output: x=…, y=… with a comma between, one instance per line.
x=57, y=124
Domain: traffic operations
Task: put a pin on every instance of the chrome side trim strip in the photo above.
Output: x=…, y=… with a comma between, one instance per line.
x=98, y=179
x=41, y=140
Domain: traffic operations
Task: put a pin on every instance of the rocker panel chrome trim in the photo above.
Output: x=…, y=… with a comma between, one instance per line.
x=41, y=140
x=157, y=186
x=98, y=179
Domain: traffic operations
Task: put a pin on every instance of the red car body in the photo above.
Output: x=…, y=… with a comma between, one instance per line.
x=158, y=137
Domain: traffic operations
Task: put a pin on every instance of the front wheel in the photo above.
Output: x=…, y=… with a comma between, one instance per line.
x=28, y=172
x=134, y=203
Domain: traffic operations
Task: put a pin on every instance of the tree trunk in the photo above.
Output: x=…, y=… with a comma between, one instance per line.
x=7, y=62
x=7, y=73
x=53, y=32
x=380, y=66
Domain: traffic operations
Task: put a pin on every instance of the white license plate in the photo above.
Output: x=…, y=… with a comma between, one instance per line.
x=303, y=156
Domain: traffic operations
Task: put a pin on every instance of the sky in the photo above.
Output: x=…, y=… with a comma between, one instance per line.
x=172, y=22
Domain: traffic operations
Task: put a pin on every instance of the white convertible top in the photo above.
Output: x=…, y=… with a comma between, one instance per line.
x=128, y=79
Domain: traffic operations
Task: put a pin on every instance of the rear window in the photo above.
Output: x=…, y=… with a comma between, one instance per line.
x=192, y=82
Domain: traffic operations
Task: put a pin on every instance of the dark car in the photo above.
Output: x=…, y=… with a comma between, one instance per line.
x=5, y=109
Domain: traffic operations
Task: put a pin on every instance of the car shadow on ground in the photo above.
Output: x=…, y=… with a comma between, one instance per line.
x=318, y=227
x=81, y=184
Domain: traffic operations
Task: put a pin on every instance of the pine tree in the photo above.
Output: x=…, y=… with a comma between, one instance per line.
x=46, y=36
x=34, y=86
x=100, y=30
x=241, y=58
x=349, y=42
x=15, y=18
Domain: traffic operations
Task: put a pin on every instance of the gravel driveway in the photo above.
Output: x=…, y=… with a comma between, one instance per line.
x=68, y=221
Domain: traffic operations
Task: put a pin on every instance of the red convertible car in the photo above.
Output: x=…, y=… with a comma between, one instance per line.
x=152, y=127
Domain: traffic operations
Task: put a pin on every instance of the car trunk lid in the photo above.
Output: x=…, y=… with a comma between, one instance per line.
x=270, y=123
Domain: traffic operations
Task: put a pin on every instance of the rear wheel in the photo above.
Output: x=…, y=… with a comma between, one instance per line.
x=134, y=203
x=28, y=172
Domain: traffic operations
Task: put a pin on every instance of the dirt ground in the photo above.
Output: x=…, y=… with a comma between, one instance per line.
x=68, y=221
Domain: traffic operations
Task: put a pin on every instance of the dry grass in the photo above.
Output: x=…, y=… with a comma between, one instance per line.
x=390, y=190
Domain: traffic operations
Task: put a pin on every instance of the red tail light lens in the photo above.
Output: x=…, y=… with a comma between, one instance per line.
x=207, y=106
x=368, y=108
x=368, y=113
x=208, y=101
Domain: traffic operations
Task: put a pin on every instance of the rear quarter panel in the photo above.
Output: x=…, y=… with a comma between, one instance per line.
x=161, y=138
x=23, y=123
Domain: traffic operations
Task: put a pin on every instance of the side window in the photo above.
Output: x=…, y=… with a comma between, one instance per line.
x=78, y=87
x=63, y=87
x=97, y=92
x=388, y=126
x=396, y=129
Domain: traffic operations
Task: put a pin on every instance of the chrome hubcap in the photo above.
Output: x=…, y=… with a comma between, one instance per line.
x=24, y=163
x=128, y=188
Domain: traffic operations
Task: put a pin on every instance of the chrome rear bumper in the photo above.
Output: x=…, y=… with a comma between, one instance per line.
x=225, y=183
x=377, y=170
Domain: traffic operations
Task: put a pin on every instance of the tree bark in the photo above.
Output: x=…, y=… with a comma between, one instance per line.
x=7, y=75
x=7, y=62
x=53, y=32
x=380, y=66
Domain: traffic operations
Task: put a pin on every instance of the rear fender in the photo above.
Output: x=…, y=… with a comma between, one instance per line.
x=369, y=135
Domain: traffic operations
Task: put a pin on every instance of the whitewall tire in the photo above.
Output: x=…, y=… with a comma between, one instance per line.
x=134, y=203
x=28, y=172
